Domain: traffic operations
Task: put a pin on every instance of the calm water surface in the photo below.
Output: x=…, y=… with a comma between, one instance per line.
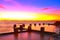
x=5, y=28
x=27, y=36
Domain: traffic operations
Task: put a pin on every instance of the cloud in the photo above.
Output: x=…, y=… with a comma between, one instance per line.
x=25, y=8
x=50, y=10
x=2, y=6
x=8, y=0
x=55, y=11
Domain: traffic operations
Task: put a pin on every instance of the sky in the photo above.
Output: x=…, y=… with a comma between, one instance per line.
x=36, y=10
x=29, y=9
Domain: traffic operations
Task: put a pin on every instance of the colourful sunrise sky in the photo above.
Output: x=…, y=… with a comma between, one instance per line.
x=29, y=9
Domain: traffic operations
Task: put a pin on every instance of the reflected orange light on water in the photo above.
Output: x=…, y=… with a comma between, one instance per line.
x=9, y=27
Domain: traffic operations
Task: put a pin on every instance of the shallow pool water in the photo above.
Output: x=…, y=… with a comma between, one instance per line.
x=27, y=36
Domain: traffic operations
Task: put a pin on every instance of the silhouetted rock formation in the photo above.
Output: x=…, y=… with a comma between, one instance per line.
x=50, y=24
x=15, y=29
x=43, y=23
x=42, y=29
x=21, y=27
x=29, y=27
x=35, y=24
x=39, y=24
x=57, y=23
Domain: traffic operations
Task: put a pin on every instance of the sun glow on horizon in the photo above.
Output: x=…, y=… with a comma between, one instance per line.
x=27, y=16
x=16, y=16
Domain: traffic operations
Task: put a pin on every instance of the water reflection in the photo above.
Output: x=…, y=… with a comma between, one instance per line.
x=41, y=36
x=27, y=36
x=32, y=36
x=51, y=37
x=15, y=36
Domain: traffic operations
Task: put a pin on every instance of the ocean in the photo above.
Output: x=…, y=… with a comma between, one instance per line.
x=6, y=26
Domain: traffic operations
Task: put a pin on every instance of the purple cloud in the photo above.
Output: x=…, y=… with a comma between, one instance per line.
x=25, y=8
